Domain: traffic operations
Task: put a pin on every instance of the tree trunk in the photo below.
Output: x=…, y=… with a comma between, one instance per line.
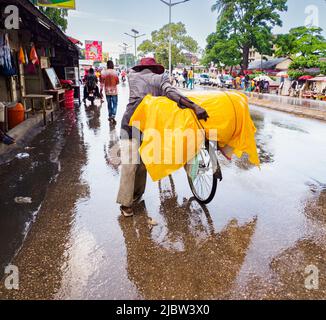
x=245, y=57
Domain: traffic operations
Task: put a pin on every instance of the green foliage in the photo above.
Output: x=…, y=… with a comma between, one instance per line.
x=221, y=52
x=301, y=41
x=258, y=74
x=305, y=62
x=323, y=67
x=159, y=44
x=244, y=24
x=296, y=74
x=82, y=54
x=301, y=64
x=306, y=46
x=130, y=59
x=57, y=16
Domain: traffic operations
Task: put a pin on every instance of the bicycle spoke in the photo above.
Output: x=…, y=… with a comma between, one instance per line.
x=204, y=183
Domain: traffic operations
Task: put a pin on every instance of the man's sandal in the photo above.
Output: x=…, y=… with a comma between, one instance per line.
x=127, y=212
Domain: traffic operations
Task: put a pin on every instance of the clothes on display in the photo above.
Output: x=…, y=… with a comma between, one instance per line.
x=7, y=65
x=33, y=56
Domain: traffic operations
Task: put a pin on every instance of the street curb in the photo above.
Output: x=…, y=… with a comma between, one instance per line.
x=263, y=101
x=24, y=134
x=297, y=110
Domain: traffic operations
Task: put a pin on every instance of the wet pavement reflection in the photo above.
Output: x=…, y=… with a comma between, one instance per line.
x=255, y=240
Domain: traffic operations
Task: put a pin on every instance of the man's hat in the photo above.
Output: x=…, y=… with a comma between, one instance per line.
x=151, y=64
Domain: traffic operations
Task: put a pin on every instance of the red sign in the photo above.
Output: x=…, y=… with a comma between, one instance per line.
x=94, y=50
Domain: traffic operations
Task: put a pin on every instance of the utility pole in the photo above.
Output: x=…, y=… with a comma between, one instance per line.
x=125, y=47
x=135, y=36
x=171, y=4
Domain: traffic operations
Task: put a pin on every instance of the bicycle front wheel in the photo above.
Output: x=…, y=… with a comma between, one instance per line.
x=204, y=174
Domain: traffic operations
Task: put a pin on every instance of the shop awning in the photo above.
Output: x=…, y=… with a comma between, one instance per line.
x=318, y=79
x=75, y=41
x=305, y=78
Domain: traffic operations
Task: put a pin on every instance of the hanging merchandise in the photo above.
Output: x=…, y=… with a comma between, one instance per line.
x=26, y=57
x=21, y=56
x=33, y=56
x=2, y=51
x=7, y=67
x=30, y=68
x=48, y=52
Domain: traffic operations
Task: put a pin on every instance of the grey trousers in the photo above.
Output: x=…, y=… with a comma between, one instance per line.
x=133, y=173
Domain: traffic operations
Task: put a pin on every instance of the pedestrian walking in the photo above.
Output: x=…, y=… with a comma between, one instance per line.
x=237, y=82
x=247, y=81
x=185, y=77
x=110, y=81
x=181, y=80
x=146, y=78
x=191, y=78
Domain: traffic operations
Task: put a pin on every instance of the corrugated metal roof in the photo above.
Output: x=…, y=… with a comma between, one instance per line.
x=270, y=64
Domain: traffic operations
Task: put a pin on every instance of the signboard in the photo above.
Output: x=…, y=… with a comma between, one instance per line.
x=94, y=50
x=65, y=4
x=106, y=56
x=44, y=62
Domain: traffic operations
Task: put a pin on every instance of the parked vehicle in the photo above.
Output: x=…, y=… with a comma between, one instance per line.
x=216, y=82
x=227, y=81
x=197, y=78
x=204, y=79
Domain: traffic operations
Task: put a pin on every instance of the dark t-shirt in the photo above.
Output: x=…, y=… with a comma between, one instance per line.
x=91, y=81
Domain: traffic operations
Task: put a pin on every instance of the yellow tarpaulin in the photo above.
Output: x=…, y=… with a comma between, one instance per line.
x=172, y=136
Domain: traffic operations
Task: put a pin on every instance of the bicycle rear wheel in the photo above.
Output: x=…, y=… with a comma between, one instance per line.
x=204, y=174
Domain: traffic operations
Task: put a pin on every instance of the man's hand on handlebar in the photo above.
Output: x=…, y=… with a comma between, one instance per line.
x=201, y=113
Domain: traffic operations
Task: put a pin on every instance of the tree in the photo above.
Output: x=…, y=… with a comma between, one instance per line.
x=301, y=41
x=159, y=44
x=307, y=65
x=129, y=57
x=83, y=54
x=221, y=51
x=249, y=24
x=56, y=15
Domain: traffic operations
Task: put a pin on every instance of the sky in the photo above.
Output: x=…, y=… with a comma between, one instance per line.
x=108, y=20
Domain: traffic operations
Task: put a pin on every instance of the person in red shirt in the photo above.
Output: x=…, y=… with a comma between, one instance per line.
x=110, y=81
x=123, y=74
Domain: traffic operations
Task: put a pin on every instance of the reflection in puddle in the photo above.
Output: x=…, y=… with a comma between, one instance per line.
x=192, y=260
x=289, y=127
x=93, y=113
x=262, y=140
x=43, y=257
x=112, y=152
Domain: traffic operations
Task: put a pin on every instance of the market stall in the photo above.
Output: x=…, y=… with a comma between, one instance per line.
x=316, y=88
x=26, y=53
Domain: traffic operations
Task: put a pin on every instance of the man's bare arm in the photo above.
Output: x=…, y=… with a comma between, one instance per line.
x=183, y=102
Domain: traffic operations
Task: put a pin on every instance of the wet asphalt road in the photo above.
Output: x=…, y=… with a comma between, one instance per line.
x=254, y=241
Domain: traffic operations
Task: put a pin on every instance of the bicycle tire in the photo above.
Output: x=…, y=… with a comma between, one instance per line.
x=217, y=176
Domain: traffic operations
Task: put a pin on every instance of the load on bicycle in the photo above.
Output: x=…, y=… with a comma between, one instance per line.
x=179, y=131
x=173, y=138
